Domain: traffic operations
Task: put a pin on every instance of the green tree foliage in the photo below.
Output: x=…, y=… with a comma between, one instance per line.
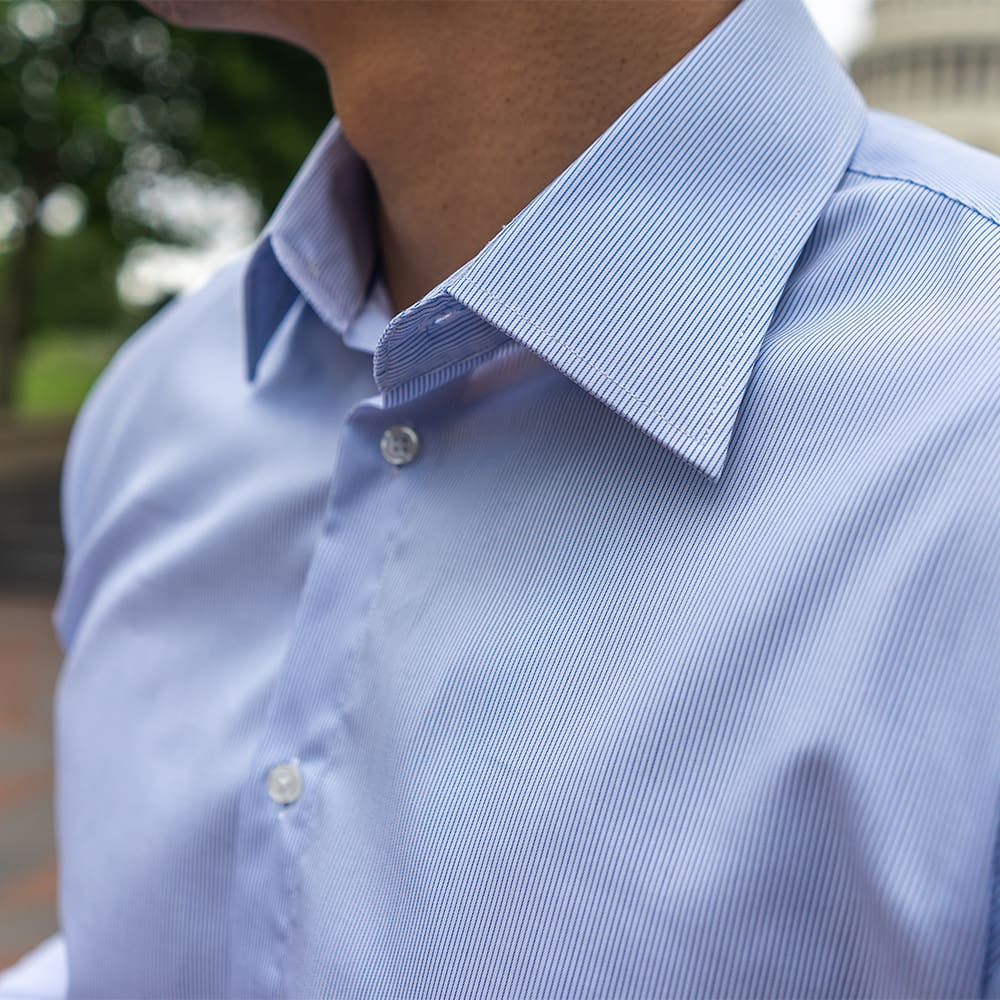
x=98, y=99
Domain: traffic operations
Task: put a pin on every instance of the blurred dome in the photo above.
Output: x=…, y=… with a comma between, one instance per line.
x=938, y=62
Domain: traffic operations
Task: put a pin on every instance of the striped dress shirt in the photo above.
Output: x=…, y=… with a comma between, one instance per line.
x=622, y=619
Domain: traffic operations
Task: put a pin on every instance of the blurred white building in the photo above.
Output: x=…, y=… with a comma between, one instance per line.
x=936, y=61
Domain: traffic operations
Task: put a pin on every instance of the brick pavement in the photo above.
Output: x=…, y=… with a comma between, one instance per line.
x=29, y=663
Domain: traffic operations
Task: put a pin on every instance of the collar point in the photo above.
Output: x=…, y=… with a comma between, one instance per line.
x=707, y=454
x=249, y=368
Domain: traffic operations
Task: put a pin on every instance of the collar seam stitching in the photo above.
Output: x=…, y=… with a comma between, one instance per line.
x=926, y=187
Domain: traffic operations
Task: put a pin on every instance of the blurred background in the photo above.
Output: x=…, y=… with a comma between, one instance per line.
x=135, y=158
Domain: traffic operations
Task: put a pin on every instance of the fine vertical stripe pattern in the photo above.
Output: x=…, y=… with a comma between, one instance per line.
x=667, y=667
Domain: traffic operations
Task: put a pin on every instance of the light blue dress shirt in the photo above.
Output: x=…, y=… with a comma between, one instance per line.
x=620, y=620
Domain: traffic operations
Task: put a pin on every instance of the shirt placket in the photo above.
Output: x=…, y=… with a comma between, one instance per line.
x=376, y=462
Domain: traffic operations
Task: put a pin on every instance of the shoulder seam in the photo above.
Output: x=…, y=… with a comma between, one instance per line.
x=926, y=187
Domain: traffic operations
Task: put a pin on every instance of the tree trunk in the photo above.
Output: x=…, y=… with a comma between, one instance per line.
x=17, y=310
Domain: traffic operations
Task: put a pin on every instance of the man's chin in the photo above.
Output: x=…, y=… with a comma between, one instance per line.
x=218, y=14
x=288, y=20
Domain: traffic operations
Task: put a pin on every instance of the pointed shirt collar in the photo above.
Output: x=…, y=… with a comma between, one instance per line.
x=647, y=272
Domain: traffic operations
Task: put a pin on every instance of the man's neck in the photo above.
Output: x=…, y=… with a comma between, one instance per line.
x=464, y=112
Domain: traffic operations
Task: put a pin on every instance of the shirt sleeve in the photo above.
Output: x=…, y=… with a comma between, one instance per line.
x=83, y=474
x=41, y=974
x=69, y=503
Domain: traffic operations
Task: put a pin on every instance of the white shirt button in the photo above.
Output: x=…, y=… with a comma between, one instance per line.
x=400, y=444
x=284, y=783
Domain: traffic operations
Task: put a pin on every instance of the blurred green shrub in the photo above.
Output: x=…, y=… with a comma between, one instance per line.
x=99, y=103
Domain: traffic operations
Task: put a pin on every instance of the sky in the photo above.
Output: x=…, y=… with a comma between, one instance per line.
x=842, y=21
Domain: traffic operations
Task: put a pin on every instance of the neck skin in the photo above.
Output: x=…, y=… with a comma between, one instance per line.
x=465, y=111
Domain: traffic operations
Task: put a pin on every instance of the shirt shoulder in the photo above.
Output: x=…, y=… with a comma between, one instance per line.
x=152, y=398
x=900, y=280
x=886, y=341
x=896, y=149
